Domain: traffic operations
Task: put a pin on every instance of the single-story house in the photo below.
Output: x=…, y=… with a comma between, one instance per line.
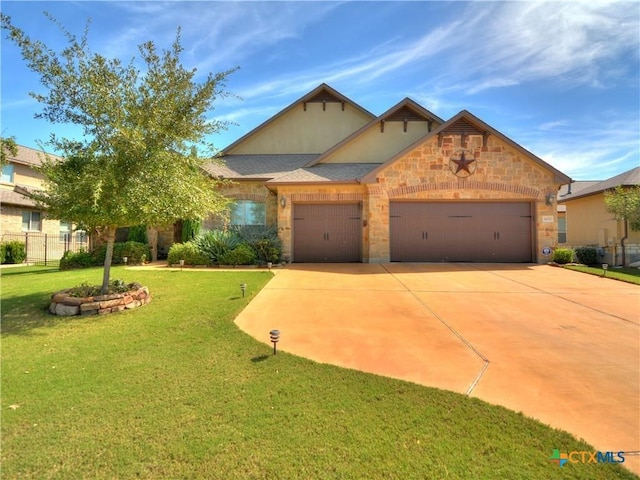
x=589, y=224
x=344, y=185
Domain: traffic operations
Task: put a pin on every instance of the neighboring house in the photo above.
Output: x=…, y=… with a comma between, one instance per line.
x=21, y=220
x=589, y=224
x=343, y=185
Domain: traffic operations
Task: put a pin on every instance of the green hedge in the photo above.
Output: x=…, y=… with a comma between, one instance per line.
x=562, y=255
x=587, y=255
x=137, y=253
x=188, y=252
x=13, y=252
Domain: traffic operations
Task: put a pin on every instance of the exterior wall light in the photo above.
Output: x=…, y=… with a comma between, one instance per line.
x=275, y=336
x=283, y=201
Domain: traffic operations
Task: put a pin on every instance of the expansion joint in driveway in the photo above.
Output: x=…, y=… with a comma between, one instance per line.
x=468, y=344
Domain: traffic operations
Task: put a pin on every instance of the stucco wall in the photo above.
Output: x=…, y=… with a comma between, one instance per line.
x=375, y=146
x=298, y=131
x=589, y=224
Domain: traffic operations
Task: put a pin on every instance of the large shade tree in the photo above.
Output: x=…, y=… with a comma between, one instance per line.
x=145, y=129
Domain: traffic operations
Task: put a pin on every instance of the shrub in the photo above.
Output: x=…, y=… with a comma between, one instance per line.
x=243, y=254
x=587, y=255
x=3, y=251
x=138, y=233
x=80, y=259
x=263, y=240
x=562, y=255
x=190, y=230
x=216, y=243
x=136, y=253
x=188, y=252
x=14, y=252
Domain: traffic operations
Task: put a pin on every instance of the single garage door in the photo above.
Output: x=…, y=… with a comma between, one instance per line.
x=327, y=233
x=460, y=232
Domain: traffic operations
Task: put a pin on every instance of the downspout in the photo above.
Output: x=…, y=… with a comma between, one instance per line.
x=622, y=240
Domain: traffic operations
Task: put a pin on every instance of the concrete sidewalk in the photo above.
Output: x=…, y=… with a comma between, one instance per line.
x=560, y=346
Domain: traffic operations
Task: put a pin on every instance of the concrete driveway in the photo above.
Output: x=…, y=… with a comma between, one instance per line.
x=560, y=346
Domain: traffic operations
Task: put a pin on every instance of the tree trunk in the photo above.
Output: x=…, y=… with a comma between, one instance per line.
x=111, y=239
x=152, y=237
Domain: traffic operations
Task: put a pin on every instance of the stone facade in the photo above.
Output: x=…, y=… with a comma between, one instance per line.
x=502, y=173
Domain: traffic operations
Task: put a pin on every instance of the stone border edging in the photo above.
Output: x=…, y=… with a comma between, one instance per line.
x=63, y=304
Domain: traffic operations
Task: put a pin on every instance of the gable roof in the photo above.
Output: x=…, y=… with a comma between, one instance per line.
x=254, y=167
x=322, y=93
x=326, y=173
x=467, y=123
x=405, y=109
x=29, y=156
x=630, y=178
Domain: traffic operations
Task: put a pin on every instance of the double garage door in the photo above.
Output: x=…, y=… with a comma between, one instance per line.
x=418, y=232
x=329, y=233
x=460, y=232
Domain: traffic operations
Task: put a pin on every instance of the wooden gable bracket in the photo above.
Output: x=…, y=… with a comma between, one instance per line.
x=440, y=137
x=305, y=106
x=485, y=137
x=342, y=105
x=405, y=121
x=463, y=139
x=382, y=126
x=324, y=105
x=429, y=125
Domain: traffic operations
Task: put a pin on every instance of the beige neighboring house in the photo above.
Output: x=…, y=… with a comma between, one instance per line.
x=21, y=220
x=589, y=224
x=344, y=185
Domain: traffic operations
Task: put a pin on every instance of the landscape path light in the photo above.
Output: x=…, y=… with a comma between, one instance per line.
x=243, y=288
x=605, y=267
x=181, y=264
x=275, y=336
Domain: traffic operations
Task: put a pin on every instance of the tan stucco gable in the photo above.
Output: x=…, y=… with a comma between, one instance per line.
x=312, y=124
x=383, y=137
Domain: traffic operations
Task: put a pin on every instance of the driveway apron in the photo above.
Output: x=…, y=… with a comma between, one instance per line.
x=560, y=346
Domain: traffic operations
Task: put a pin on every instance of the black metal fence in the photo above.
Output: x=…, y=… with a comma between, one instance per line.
x=47, y=248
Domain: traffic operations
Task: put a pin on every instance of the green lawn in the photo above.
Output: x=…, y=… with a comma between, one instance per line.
x=629, y=275
x=175, y=390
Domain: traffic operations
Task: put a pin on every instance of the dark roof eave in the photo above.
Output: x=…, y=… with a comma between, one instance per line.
x=355, y=181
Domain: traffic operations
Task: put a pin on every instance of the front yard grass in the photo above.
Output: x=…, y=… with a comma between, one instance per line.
x=176, y=390
x=625, y=274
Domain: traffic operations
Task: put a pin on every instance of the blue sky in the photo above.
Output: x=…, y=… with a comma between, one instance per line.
x=561, y=79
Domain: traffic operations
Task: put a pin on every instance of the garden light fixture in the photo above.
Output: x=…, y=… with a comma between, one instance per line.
x=243, y=288
x=275, y=336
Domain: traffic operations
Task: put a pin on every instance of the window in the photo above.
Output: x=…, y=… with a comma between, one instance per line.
x=562, y=229
x=31, y=221
x=65, y=231
x=7, y=173
x=248, y=212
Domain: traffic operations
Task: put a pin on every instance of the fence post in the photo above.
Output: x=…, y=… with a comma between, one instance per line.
x=46, y=248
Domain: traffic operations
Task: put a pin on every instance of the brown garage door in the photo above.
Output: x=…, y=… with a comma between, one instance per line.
x=327, y=233
x=460, y=232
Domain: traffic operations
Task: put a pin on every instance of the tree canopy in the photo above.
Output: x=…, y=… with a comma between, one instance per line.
x=145, y=134
x=7, y=147
x=624, y=204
